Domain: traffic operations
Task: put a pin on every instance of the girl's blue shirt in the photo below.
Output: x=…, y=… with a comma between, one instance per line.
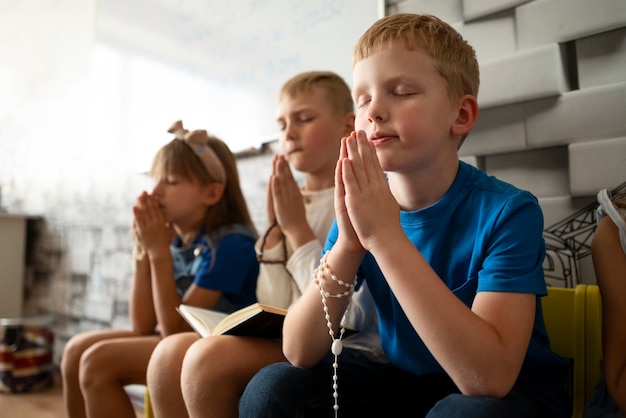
x=224, y=261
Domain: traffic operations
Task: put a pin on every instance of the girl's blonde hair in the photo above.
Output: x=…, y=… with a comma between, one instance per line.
x=178, y=159
x=453, y=57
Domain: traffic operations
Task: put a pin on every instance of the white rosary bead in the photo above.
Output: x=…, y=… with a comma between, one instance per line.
x=337, y=347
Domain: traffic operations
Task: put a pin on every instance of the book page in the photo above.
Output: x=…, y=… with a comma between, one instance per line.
x=262, y=324
x=203, y=321
x=256, y=318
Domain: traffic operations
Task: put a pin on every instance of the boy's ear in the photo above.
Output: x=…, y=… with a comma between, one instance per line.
x=213, y=193
x=348, y=120
x=467, y=115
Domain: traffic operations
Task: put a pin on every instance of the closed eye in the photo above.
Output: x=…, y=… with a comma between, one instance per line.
x=403, y=91
x=362, y=101
x=306, y=119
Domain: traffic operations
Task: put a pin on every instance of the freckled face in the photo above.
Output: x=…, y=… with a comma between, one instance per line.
x=403, y=106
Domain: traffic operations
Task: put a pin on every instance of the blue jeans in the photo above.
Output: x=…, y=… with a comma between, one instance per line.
x=601, y=404
x=371, y=389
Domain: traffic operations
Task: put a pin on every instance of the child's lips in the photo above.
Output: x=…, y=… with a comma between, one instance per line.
x=379, y=139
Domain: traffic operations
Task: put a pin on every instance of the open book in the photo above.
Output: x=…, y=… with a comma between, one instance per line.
x=256, y=320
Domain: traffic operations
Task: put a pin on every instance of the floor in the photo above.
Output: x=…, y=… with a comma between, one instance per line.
x=45, y=404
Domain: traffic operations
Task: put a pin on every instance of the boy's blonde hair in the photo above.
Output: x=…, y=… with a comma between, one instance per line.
x=336, y=90
x=452, y=56
x=177, y=158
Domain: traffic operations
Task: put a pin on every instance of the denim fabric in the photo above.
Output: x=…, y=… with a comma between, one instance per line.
x=600, y=404
x=369, y=389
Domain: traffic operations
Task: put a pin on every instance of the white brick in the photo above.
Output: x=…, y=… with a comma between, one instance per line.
x=448, y=10
x=473, y=9
x=498, y=130
x=581, y=18
x=525, y=75
x=98, y=310
x=597, y=165
x=547, y=21
x=598, y=112
x=534, y=22
x=81, y=241
x=557, y=208
x=492, y=37
x=542, y=172
x=602, y=58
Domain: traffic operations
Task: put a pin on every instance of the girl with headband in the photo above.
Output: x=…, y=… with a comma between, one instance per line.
x=194, y=244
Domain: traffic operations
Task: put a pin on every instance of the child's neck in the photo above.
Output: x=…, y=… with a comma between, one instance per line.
x=187, y=233
x=413, y=194
x=318, y=183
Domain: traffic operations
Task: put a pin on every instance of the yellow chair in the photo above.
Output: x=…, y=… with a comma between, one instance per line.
x=593, y=342
x=564, y=316
x=147, y=406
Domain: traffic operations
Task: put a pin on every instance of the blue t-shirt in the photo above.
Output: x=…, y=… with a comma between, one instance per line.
x=224, y=261
x=482, y=235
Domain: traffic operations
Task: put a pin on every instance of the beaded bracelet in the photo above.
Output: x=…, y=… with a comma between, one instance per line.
x=337, y=345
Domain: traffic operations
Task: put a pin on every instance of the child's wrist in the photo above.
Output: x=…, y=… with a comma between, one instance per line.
x=348, y=251
x=156, y=254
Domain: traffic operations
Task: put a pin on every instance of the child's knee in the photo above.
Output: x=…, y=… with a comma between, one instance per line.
x=72, y=352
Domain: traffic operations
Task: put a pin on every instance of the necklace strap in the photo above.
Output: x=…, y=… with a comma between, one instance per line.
x=283, y=241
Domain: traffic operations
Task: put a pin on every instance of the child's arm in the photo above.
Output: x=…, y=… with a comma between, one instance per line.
x=482, y=349
x=306, y=336
x=141, y=309
x=288, y=206
x=285, y=275
x=609, y=262
x=156, y=237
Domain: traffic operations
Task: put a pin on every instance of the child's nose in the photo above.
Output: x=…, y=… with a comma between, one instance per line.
x=376, y=111
x=290, y=131
x=289, y=135
x=158, y=189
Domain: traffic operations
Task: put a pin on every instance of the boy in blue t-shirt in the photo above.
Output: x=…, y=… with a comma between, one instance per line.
x=452, y=257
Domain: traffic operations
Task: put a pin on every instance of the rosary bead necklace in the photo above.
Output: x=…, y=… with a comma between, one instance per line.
x=337, y=345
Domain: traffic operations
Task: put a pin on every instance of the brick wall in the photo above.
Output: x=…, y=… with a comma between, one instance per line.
x=553, y=105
